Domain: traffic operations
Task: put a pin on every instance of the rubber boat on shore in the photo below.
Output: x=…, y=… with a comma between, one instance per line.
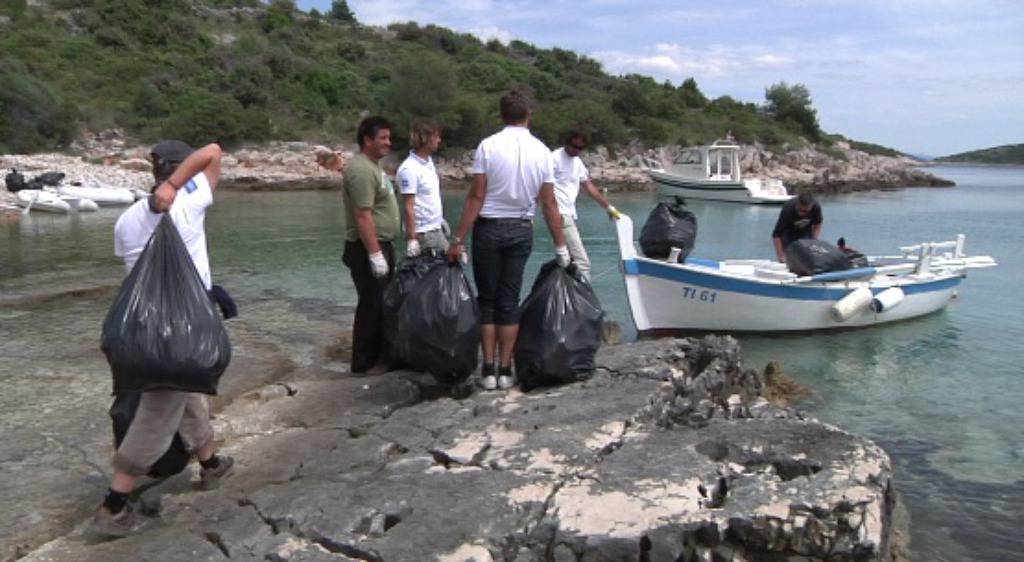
x=103, y=196
x=713, y=172
x=39, y=200
x=763, y=296
x=43, y=200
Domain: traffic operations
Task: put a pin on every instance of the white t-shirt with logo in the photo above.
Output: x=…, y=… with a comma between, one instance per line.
x=417, y=176
x=135, y=226
x=516, y=164
x=570, y=171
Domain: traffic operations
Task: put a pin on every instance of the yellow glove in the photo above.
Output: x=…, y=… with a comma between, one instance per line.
x=614, y=213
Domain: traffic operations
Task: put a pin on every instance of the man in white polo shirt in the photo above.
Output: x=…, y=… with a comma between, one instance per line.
x=421, y=192
x=511, y=173
x=570, y=174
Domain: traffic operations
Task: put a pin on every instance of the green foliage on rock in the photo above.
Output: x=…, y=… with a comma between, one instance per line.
x=249, y=70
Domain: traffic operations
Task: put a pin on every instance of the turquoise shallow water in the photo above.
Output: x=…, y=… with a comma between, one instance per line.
x=943, y=394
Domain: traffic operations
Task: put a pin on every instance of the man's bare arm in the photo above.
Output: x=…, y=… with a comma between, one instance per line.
x=554, y=219
x=367, y=229
x=409, y=206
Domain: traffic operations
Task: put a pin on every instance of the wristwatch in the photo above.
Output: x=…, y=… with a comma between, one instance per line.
x=456, y=241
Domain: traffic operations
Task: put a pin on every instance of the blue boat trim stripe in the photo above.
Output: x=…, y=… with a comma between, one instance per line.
x=795, y=292
x=703, y=262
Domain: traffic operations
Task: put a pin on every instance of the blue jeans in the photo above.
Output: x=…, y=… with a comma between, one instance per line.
x=500, y=250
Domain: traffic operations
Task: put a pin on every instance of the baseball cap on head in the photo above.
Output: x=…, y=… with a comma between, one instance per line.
x=171, y=151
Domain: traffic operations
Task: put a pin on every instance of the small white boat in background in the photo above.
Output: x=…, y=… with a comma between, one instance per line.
x=39, y=200
x=763, y=296
x=103, y=196
x=713, y=172
x=80, y=204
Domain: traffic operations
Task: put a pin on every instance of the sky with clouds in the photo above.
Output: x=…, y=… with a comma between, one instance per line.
x=924, y=76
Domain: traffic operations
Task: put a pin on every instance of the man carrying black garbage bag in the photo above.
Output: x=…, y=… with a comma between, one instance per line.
x=799, y=218
x=512, y=172
x=185, y=181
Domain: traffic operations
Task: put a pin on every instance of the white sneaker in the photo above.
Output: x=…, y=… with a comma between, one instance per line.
x=506, y=382
x=490, y=382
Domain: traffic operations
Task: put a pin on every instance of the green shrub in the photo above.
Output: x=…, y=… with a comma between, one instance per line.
x=32, y=115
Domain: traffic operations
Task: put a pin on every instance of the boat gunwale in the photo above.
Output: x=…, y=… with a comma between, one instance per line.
x=728, y=281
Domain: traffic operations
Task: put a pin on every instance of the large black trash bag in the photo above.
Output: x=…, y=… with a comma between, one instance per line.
x=51, y=179
x=559, y=329
x=670, y=225
x=163, y=332
x=439, y=325
x=122, y=412
x=409, y=272
x=857, y=259
x=808, y=256
x=15, y=181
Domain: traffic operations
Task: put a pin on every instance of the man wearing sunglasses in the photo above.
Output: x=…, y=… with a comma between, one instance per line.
x=570, y=175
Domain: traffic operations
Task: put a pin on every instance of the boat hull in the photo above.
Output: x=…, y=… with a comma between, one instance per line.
x=667, y=297
x=103, y=196
x=37, y=200
x=670, y=185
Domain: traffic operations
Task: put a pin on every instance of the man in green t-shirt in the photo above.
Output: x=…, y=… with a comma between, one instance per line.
x=371, y=225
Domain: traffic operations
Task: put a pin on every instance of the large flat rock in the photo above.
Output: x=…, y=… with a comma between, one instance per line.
x=667, y=452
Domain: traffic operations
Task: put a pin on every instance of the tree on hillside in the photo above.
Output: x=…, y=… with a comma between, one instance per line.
x=341, y=12
x=691, y=95
x=792, y=105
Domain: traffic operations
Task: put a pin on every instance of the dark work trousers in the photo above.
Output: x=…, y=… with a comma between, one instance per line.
x=500, y=250
x=368, y=338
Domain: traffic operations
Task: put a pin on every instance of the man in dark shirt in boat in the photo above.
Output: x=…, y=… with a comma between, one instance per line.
x=799, y=218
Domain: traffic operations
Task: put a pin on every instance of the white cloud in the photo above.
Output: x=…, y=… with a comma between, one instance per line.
x=660, y=62
x=674, y=62
x=769, y=59
x=504, y=36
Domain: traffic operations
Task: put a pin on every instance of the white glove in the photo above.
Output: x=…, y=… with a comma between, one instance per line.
x=378, y=264
x=562, y=256
x=412, y=248
x=613, y=212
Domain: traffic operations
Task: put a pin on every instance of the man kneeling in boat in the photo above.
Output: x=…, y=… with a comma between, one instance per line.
x=799, y=218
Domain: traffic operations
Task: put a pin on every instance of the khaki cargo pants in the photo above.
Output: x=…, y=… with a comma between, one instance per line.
x=161, y=414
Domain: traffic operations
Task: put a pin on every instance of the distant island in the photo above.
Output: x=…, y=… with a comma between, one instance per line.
x=1006, y=154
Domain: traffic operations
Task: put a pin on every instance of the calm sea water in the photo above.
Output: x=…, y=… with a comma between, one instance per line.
x=943, y=394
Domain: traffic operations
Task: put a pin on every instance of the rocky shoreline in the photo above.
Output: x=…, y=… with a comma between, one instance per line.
x=670, y=451
x=107, y=160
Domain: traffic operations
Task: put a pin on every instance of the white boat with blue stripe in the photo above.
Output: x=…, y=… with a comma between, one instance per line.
x=763, y=296
x=712, y=172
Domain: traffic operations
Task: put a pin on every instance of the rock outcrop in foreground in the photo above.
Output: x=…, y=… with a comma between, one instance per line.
x=669, y=452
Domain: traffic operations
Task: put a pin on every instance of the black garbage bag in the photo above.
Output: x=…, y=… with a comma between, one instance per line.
x=670, y=225
x=857, y=259
x=15, y=181
x=162, y=332
x=439, y=325
x=122, y=412
x=559, y=329
x=808, y=256
x=409, y=272
x=51, y=179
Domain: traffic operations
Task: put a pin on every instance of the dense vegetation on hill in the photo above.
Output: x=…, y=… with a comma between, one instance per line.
x=1006, y=154
x=243, y=70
